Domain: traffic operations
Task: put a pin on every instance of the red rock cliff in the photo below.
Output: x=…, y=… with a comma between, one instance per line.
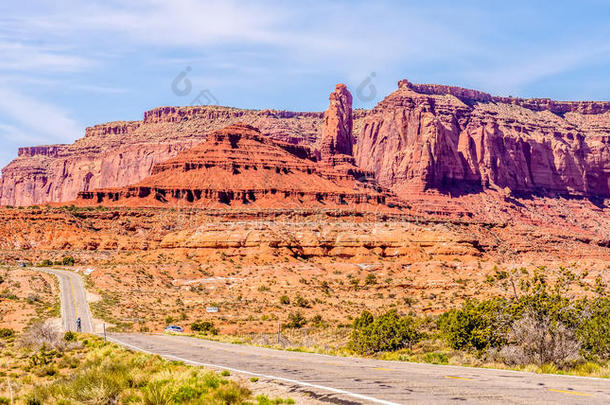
x=431, y=136
x=238, y=165
x=419, y=137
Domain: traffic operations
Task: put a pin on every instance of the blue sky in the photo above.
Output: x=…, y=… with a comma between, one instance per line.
x=66, y=64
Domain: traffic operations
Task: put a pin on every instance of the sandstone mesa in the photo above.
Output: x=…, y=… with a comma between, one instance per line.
x=421, y=140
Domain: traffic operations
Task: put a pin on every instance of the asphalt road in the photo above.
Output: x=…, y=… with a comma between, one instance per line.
x=356, y=380
x=349, y=380
x=73, y=300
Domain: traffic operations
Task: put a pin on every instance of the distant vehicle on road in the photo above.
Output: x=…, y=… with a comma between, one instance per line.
x=173, y=329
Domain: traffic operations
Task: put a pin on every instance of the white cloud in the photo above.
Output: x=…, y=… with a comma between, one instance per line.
x=92, y=88
x=351, y=38
x=510, y=78
x=11, y=133
x=21, y=56
x=35, y=120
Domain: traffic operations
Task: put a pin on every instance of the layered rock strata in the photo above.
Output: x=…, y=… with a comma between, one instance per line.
x=122, y=153
x=420, y=137
x=238, y=165
x=439, y=137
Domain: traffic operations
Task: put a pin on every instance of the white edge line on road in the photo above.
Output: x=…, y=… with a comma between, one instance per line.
x=271, y=377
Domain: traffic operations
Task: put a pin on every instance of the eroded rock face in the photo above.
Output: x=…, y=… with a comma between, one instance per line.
x=122, y=153
x=422, y=136
x=238, y=165
x=431, y=136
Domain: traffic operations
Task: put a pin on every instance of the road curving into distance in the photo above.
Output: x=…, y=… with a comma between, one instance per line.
x=73, y=300
x=350, y=380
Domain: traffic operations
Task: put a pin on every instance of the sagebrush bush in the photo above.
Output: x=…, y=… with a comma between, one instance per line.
x=42, y=334
x=6, y=333
x=68, y=261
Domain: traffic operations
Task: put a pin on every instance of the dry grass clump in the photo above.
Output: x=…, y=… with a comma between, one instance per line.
x=110, y=374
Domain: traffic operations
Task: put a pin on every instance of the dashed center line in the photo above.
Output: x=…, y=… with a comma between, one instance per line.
x=73, y=297
x=382, y=369
x=582, y=394
x=458, y=378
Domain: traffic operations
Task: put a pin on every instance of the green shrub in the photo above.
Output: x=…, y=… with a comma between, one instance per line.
x=225, y=373
x=301, y=302
x=68, y=261
x=365, y=319
x=477, y=325
x=46, y=263
x=436, y=358
x=46, y=371
x=264, y=400
x=295, y=320
x=317, y=320
x=385, y=333
x=284, y=300
x=204, y=326
x=370, y=279
x=6, y=333
x=69, y=336
x=187, y=393
x=594, y=330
